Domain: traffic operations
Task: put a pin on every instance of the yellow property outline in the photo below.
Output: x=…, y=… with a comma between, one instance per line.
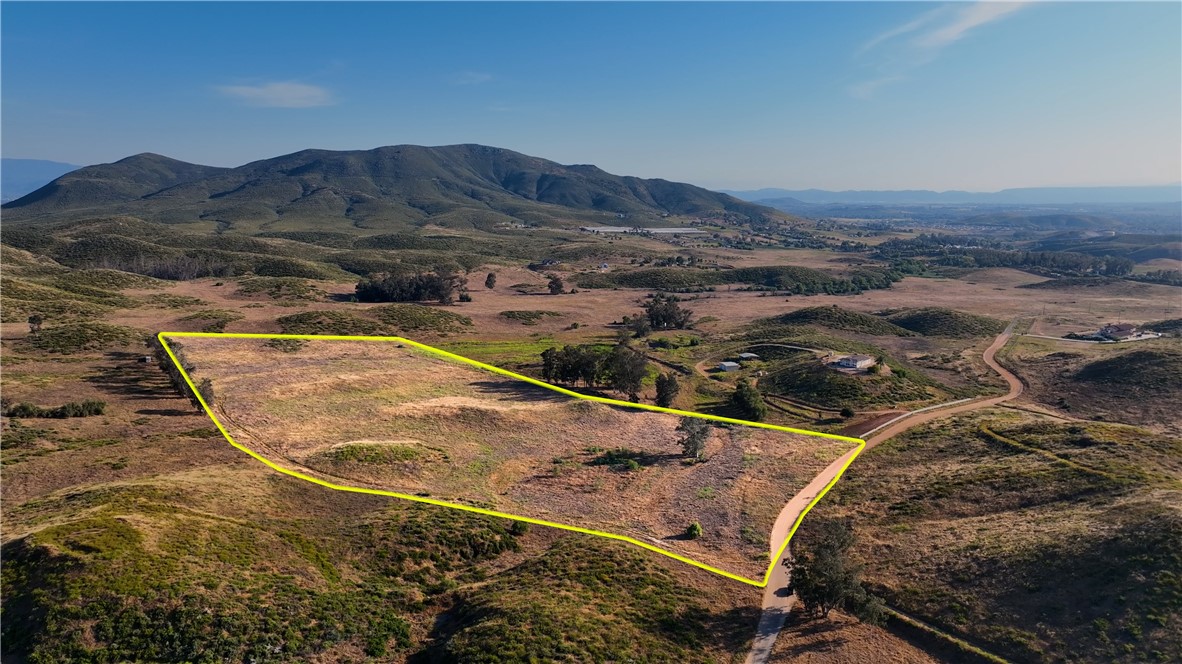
x=467, y=508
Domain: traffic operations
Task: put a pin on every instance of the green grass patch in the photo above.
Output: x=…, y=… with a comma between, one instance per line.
x=529, y=317
x=419, y=318
x=78, y=337
x=340, y=323
x=215, y=320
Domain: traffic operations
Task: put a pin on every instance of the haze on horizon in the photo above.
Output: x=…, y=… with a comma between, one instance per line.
x=964, y=96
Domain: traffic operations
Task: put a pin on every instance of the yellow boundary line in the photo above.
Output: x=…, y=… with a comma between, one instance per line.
x=467, y=508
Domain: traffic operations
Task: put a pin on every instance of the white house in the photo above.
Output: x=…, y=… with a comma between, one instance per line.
x=748, y=356
x=728, y=366
x=856, y=362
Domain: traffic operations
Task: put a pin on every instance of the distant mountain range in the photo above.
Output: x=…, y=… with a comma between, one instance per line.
x=21, y=176
x=380, y=188
x=787, y=198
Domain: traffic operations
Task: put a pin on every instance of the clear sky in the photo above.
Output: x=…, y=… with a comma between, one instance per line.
x=977, y=96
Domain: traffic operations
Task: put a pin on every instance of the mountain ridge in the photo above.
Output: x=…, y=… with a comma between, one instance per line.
x=408, y=183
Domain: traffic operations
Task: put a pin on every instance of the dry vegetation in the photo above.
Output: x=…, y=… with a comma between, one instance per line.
x=381, y=415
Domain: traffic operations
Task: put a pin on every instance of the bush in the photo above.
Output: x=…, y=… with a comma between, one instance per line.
x=72, y=409
x=694, y=531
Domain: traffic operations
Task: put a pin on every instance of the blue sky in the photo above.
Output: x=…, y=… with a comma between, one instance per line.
x=977, y=96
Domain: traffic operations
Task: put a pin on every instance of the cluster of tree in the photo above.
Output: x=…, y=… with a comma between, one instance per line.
x=664, y=313
x=748, y=399
x=1167, y=277
x=621, y=368
x=72, y=409
x=927, y=244
x=679, y=261
x=176, y=377
x=182, y=267
x=969, y=251
x=825, y=578
x=555, y=284
x=442, y=287
x=1059, y=262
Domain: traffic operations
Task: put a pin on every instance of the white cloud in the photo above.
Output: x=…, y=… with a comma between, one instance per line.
x=972, y=16
x=931, y=32
x=281, y=94
x=472, y=78
x=908, y=27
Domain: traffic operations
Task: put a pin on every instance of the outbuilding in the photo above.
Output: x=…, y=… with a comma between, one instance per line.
x=728, y=366
x=748, y=356
x=856, y=362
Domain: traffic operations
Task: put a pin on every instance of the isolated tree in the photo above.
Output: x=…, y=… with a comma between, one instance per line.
x=825, y=577
x=491, y=280
x=694, y=531
x=555, y=284
x=847, y=412
x=749, y=400
x=667, y=389
x=697, y=432
x=35, y=323
x=626, y=370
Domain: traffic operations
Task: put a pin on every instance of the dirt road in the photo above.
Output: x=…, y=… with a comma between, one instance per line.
x=1013, y=381
x=776, y=601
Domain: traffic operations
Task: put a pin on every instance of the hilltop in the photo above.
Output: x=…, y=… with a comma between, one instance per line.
x=405, y=184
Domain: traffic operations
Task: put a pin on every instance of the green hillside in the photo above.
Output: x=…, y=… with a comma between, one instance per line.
x=1041, y=541
x=1142, y=370
x=940, y=322
x=836, y=318
x=468, y=185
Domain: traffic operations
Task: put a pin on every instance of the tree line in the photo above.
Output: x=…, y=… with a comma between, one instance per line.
x=176, y=378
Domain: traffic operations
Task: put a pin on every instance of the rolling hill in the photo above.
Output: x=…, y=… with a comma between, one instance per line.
x=379, y=188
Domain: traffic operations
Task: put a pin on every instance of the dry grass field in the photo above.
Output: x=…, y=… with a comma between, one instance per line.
x=378, y=415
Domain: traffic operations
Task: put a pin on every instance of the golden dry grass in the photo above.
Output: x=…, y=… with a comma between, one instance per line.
x=507, y=445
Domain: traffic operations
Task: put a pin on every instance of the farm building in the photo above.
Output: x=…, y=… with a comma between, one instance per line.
x=748, y=356
x=1118, y=331
x=728, y=366
x=856, y=362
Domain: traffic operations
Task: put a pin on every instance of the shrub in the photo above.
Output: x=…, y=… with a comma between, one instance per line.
x=694, y=531
x=71, y=409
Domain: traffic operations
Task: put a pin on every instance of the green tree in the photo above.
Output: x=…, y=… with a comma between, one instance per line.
x=697, y=432
x=664, y=313
x=825, y=577
x=847, y=412
x=491, y=280
x=694, y=531
x=555, y=284
x=749, y=400
x=626, y=370
x=35, y=322
x=667, y=389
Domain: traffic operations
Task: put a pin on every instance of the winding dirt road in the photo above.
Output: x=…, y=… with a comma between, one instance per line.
x=777, y=603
